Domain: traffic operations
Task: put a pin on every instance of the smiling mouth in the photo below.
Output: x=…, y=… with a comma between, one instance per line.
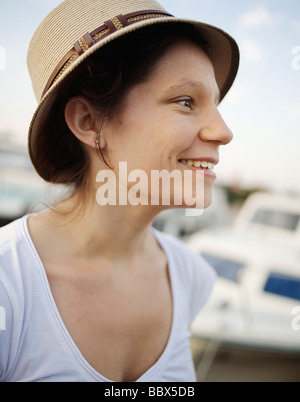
x=205, y=165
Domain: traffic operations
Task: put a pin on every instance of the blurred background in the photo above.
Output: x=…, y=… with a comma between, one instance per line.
x=250, y=328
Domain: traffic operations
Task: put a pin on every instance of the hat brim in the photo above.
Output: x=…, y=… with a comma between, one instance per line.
x=222, y=50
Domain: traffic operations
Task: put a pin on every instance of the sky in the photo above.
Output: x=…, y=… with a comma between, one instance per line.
x=262, y=108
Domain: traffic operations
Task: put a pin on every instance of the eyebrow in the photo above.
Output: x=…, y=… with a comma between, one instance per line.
x=190, y=84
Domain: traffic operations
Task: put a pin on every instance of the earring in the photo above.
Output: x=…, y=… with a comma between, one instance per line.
x=99, y=151
x=100, y=143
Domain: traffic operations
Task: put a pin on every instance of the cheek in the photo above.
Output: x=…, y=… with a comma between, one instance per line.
x=152, y=139
x=181, y=131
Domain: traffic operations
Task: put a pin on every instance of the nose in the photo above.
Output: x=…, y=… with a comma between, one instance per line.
x=215, y=128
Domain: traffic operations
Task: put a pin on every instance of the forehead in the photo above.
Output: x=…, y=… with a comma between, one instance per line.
x=185, y=65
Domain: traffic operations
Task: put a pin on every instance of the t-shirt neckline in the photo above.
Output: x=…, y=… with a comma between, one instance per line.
x=149, y=374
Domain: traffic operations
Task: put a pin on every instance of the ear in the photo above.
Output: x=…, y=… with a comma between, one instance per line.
x=81, y=119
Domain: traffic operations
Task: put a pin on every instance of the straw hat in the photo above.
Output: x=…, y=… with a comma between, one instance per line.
x=75, y=29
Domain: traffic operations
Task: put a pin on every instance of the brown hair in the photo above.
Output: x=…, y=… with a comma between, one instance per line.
x=104, y=80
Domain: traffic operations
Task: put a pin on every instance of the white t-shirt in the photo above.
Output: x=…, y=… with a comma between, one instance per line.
x=34, y=342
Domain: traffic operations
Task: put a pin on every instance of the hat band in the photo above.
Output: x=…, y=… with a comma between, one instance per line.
x=91, y=38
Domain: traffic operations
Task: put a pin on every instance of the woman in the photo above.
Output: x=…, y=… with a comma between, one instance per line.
x=91, y=291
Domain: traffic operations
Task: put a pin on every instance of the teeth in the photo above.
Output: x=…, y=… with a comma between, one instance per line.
x=197, y=164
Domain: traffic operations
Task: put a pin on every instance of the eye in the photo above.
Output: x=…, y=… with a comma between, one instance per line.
x=187, y=102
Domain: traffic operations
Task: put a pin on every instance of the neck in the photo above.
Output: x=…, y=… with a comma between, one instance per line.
x=118, y=233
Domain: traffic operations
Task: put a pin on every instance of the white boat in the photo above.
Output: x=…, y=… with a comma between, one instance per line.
x=256, y=299
x=177, y=223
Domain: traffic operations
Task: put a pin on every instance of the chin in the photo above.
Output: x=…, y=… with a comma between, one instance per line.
x=208, y=199
x=201, y=201
x=205, y=200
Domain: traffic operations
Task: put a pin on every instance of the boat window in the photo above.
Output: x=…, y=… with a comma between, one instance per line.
x=224, y=267
x=283, y=285
x=283, y=220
